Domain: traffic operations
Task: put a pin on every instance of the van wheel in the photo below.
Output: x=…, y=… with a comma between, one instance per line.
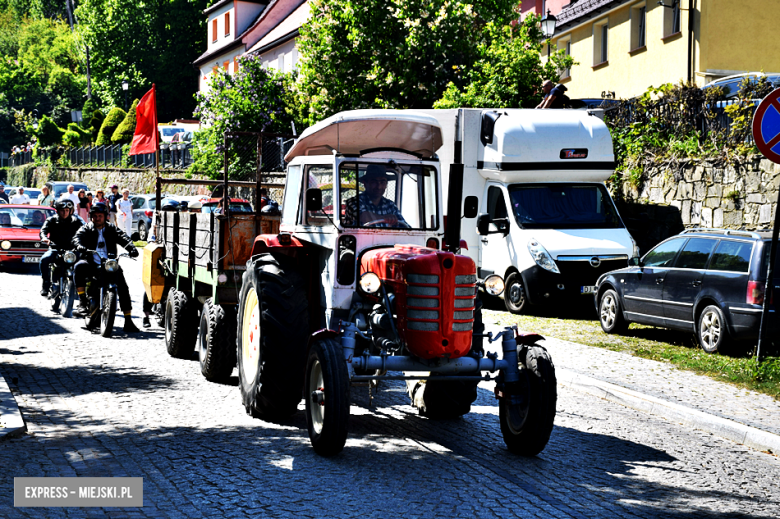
x=610, y=313
x=514, y=294
x=142, y=232
x=711, y=331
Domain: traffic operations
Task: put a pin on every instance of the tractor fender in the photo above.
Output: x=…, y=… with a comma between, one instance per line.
x=325, y=333
x=271, y=242
x=528, y=339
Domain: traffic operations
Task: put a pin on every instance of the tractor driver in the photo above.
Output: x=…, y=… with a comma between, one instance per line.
x=375, y=209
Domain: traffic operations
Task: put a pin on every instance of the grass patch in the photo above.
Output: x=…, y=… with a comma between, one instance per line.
x=140, y=244
x=677, y=348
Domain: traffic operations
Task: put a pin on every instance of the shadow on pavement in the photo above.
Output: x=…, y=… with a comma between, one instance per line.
x=26, y=323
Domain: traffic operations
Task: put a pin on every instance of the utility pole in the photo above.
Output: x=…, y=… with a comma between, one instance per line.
x=70, y=22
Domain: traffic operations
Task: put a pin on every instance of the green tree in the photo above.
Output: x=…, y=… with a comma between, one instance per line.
x=389, y=53
x=112, y=120
x=48, y=133
x=145, y=45
x=124, y=132
x=508, y=71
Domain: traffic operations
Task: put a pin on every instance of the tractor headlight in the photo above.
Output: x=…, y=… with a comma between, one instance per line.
x=112, y=265
x=5, y=245
x=494, y=285
x=541, y=256
x=70, y=257
x=370, y=283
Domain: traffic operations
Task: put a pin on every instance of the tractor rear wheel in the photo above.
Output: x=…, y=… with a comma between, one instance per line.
x=273, y=331
x=217, y=341
x=530, y=437
x=327, y=397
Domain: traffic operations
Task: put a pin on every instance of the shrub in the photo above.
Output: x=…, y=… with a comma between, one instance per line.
x=90, y=105
x=124, y=132
x=48, y=132
x=85, y=136
x=71, y=138
x=95, y=122
x=112, y=120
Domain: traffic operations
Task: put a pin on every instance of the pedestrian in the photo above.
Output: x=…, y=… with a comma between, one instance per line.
x=554, y=96
x=89, y=197
x=113, y=198
x=125, y=212
x=3, y=194
x=20, y=198
x=100, y=197
x=70, y=195
x=83, y=206
x=45, y=198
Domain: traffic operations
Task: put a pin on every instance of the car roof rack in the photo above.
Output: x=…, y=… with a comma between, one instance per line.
x=725, y=232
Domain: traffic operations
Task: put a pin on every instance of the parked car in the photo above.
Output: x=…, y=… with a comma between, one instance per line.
x=29, y=191
x=143, y=210
x=20, y=227
x=730, y=84
x=707, y=281
x=237, y=205
x=57, y=188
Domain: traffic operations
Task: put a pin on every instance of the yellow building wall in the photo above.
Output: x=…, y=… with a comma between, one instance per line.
x=628, y=74
x=739, y=36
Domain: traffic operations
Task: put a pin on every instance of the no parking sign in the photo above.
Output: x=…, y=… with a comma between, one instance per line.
x=766, y=126
x=766, y=133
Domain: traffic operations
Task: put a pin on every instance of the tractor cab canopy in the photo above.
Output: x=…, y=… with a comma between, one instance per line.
x=358, y=132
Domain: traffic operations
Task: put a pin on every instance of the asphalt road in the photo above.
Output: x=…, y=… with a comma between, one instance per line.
x=123, y=407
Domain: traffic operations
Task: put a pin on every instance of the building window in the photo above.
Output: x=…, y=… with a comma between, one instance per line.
x=227, y=24
x=213, y=30
x=600, y=42
x=671, y=17
x=226, y=65
x=566, y=47
x=638, y=26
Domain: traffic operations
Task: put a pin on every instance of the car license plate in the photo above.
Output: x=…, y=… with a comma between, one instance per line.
x=588, y=290
x=31, y=259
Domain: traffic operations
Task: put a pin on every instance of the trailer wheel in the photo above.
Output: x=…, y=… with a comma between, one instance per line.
x=273, y=331
x=217, y=341
x=442, y=399
x=327, y=397
x=530, y=437
x=180, y=332
x=515, y=299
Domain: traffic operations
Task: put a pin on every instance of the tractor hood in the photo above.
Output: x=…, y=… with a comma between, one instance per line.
x=360, y=131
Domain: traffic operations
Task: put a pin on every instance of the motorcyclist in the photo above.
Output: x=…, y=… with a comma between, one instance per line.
x=103, y=237
x=58, y=232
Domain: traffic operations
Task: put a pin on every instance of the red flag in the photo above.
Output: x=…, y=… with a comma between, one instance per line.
x=145, y=137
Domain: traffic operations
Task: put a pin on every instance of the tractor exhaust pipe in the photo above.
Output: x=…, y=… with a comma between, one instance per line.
x=455, y=191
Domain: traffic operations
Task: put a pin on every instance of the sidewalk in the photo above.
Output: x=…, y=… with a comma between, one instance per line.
x=11, y=422
x=740, y=415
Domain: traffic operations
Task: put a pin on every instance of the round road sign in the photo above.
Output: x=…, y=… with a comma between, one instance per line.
x=766, y=126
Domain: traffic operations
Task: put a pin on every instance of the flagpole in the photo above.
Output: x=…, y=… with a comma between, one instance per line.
x=158, y=187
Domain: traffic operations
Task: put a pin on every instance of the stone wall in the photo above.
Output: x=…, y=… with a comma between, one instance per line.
x=742, y=196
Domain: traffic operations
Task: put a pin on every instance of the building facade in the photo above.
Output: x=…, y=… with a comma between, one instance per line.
x=626, y=46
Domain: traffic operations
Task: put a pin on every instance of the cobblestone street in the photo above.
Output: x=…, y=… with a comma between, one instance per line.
x=123, y=407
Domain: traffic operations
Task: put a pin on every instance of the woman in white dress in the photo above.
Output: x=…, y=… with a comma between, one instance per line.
x=124, y=209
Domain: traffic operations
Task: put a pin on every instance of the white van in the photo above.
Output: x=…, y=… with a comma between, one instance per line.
x=547, y=223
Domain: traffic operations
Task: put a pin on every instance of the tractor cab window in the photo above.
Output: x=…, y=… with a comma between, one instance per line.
x=388, y=195
x=320, y=177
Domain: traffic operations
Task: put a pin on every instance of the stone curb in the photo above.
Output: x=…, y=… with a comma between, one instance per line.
x=729, y=429
x=11, y=421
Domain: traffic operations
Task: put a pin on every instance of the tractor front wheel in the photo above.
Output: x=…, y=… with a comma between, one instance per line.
x=530, y=437
x=327, y=397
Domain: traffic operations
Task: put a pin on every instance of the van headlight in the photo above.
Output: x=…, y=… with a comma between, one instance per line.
x=112, y=265
x=541, y=256
x=494, y=285
x=70, y=257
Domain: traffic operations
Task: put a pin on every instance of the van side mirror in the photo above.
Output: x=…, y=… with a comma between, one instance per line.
x=314, y=199
x=483, y=224
x=470, y=206
x=634, y=262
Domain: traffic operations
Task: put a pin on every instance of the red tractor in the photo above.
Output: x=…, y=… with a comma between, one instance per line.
x=364, y=283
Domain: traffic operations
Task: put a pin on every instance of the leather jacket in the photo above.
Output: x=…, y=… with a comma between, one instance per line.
x=60, y=231
x=87, y=238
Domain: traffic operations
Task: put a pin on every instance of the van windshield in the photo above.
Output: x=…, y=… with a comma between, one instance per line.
x=563, y=206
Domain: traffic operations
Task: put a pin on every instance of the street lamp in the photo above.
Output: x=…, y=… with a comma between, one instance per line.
x=125, y=86
x=548, y=29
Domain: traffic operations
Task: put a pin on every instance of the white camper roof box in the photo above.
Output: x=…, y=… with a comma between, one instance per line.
x=545, y=143
x=359, y=131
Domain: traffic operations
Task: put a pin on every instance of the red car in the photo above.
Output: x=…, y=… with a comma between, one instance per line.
x=20, y=228
x=237, y=205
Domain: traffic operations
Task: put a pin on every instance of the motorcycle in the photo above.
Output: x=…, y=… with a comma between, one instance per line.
x=63, y=288
x=102, y=294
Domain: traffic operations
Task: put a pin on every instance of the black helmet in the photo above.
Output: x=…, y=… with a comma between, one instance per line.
x=63, y=204
x=99, y=207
